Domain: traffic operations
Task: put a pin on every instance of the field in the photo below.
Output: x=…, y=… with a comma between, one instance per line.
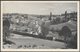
x=71, y=24
x=34, y=43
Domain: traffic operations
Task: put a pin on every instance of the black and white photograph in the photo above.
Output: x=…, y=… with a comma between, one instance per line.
x=39, y=25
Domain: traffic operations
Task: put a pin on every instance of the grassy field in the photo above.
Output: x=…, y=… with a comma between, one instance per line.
x=71, y=24
x=34, y=43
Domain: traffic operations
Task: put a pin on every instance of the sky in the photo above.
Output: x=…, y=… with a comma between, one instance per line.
x=41, y=8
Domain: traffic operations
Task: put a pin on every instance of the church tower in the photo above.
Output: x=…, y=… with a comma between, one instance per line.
x=50, y=16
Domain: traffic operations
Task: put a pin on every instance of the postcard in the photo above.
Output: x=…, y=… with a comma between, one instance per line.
x=39, y=25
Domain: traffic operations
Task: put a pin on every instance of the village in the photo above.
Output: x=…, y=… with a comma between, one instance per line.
x=50, y=26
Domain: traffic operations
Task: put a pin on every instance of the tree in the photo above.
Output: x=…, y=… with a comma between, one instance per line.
x=58, y=20
x=66, y=32
x=6, y=32
x=44, y=29
x=73, y=42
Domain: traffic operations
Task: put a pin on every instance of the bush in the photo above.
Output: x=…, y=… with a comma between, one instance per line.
x=73, y=42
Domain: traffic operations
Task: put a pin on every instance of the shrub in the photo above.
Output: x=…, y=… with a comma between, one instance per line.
x=73, y=42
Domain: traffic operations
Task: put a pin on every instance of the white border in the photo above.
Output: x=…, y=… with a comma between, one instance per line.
x=42, y=49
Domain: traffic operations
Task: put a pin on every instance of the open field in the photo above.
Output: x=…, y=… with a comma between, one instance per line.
x=71, y=24
x=34, y=43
